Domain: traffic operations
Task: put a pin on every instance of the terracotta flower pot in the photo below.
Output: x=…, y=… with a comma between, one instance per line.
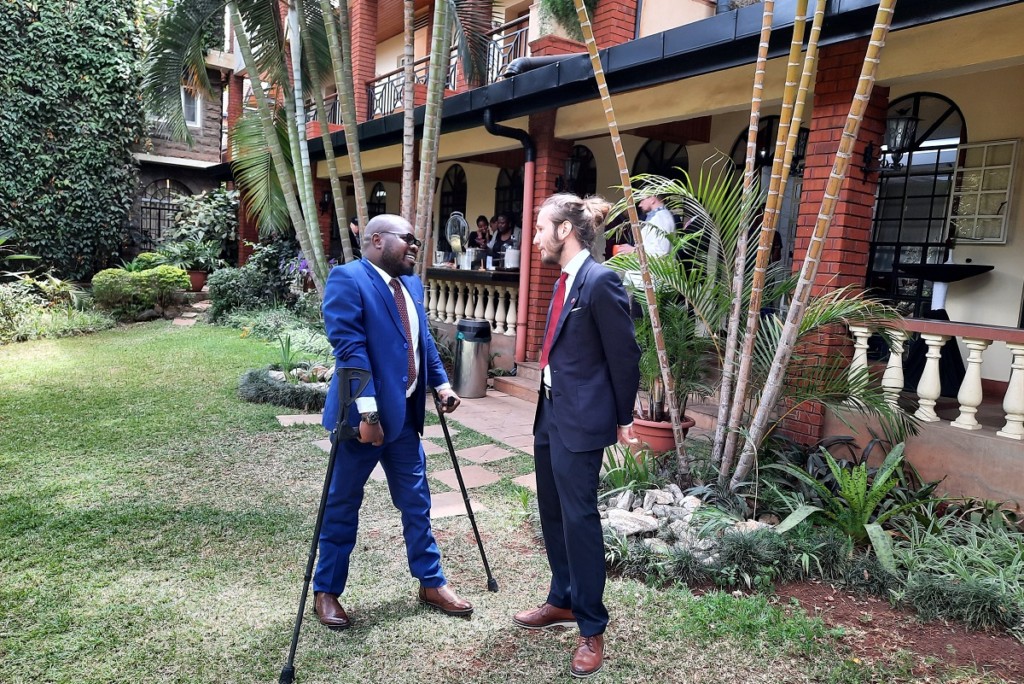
x=657, y=434
x=198, y=279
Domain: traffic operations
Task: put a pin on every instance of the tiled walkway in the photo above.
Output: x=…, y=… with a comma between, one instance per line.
x=504, y=418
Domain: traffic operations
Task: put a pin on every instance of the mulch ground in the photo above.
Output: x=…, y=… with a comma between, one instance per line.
x=873, y=628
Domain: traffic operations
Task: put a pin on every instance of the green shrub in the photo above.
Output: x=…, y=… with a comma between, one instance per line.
x=685, y=566
x=144, y=262
x=126, y=293
x=819, y=552
x=55, y=323
x=866, y=575
x=755, y=559
x=210, y=216
x=17, y=301
x=976, y=602
x=232, y=289
x=258, y=387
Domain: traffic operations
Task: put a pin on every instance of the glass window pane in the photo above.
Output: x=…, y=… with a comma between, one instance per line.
x=991, y=204
x=910, y=255
x=996, y=179
x=999, y=154
x=883, y=258
x=914, y=231
x=989, y=229
x=975, y=156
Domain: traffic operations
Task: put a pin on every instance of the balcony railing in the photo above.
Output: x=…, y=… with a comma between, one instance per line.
x=331, y=105
x=508, y=42
x=453, y=295
x=977, y=338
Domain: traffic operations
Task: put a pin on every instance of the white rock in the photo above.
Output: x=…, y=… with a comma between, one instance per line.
x=676, y=492
x=655, y=497
x=613, y=501
x=747, y=526
x=690, y=502
x=657, y=546
x=625, y=501
x=628, y=524
x=660, y=511
x=768, y=519
x=277, y=375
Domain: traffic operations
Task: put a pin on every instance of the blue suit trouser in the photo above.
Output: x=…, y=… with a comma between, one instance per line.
x=405, y=465
x=567, y=499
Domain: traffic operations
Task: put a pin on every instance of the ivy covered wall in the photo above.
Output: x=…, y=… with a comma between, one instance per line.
x=70, y=74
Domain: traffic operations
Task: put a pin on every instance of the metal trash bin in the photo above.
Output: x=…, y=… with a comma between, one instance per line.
x=472, y=358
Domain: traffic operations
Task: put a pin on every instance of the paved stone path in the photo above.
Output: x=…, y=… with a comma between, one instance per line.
x=504, y=418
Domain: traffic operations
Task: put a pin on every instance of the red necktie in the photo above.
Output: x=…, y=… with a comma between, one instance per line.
x=403, y=313
x=556, y=312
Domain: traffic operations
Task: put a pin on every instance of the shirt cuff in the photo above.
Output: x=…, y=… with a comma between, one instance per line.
x=366, y=404
x=628, y=425
x=443, y=386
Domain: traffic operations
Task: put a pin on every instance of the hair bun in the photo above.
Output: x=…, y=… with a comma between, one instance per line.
x=597, y=207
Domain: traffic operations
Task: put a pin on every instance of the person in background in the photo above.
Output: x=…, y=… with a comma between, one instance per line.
x=353, y=234
x=590, y=372
x=375, y=321
x=482, y=235
x=504, y=238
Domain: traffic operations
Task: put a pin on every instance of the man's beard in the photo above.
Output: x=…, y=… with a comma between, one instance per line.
x=396, y=264
x=553, y=257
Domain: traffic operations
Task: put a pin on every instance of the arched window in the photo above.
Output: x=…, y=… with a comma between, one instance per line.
x=913, y=200
x=508, y=193
x=378, y=202
x=662, y=158
x=157, y=210
x=453, y=198
x=767, y=137
x=581, y=171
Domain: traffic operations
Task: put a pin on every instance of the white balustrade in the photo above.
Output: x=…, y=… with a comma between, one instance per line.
x=513, y=306
x=970, y=394
x=449, y=309
x=478, y=311
x=1013, y=401
x=489, y=310
x=977, y=339
x=499, y=315
x=859, y=363
x=449, y=301
x=929, y=387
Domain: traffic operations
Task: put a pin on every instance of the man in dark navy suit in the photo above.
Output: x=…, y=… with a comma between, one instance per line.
x=375, y=320
x=589, y=364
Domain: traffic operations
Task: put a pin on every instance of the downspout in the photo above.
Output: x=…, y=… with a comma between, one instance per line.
x=526, y=241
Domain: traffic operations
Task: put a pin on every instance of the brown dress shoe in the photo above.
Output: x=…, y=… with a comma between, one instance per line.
x=545, y=616
x=331, y=614
x=589, y=656
x=445, y=600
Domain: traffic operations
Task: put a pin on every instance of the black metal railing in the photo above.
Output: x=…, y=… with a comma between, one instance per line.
x=331, y=105
x=508, y=42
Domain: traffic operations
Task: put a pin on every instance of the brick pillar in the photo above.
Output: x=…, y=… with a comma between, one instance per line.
x=555, y=45
x=363, y=15
x=551, y=155
x=844, y=259
x=614, y=23
x=320, y=186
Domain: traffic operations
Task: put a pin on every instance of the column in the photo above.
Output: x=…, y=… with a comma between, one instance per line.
x=970, y=394
x=930, y=387
x=1013, y=402
x=892, y=378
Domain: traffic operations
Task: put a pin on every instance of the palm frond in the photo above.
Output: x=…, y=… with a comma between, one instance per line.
x=253, y=169
x=471, y=26
x=263, y=26
x=177, y=59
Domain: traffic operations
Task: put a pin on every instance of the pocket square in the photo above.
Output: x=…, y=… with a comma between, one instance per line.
x=575, y=309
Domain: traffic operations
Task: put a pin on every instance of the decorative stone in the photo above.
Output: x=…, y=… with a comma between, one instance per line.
x=629, y=524
x=277, y=375
x=654, y=497
x=656, y=545
x=769, y=519
x=660, y=511
x=679, y=513
x=676, y=492
x=148, y=315
x=747, y=526
x=625, y=501
x=690, y=502
x=613, y=501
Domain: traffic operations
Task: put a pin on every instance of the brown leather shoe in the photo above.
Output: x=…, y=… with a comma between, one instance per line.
x=445, y=600
x=331, y=614
x=589, y=656
x=545, y=616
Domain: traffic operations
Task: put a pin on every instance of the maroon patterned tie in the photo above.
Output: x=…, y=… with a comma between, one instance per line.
x=556, y=312
x=403, y=313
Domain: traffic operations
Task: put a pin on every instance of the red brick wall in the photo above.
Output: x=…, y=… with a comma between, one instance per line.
x=555, y=45
x=364, y=50
x=551, y=155
x=614, y=22
x=845, y=256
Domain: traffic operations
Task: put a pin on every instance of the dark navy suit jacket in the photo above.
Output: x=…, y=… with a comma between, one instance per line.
x=594, y=360
x=363, y=326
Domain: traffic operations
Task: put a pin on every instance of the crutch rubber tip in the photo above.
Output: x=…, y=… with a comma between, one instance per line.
x=287, y=675
x=492, y=585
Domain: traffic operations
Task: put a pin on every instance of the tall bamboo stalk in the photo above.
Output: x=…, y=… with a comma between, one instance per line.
x=329, y=158
x=440, y=57
x=634, y=219
x=339, y=40
x=408, y=112
x=718, y=453
x=773, y=385
x=775, y=189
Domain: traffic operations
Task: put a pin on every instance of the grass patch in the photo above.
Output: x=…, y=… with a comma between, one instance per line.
x=154, y=528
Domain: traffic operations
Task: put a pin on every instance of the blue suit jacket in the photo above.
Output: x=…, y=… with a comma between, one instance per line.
x=594, y=360
x=362, y=323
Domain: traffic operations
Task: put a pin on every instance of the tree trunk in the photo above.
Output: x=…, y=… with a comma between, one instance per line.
x=801, y=296
x=645, y=272
x=721, y=452
x=408, y=114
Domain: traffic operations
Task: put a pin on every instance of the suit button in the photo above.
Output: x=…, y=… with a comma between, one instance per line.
x=405, y=346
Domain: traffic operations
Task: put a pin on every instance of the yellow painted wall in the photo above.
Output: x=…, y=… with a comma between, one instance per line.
x=661, y=15
x=388, y=53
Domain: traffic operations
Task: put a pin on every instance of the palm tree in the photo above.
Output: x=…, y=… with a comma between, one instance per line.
x=800, y=305
x=641, y=254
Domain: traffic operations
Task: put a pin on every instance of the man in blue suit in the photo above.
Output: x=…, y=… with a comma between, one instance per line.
x=590, y=374
x=375, y=320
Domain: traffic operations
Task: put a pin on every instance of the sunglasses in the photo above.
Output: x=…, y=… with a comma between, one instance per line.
x=407, y=238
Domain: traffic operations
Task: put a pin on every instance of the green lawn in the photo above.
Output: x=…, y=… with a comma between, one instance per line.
x=153, y=528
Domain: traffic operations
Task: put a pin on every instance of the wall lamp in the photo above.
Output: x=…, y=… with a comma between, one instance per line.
x=325, y=202
x=900, y=133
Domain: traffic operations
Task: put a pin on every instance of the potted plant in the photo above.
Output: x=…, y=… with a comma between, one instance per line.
x=198, y=257
x=690, y=356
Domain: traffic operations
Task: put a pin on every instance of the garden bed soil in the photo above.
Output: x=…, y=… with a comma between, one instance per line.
x=873, y=627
